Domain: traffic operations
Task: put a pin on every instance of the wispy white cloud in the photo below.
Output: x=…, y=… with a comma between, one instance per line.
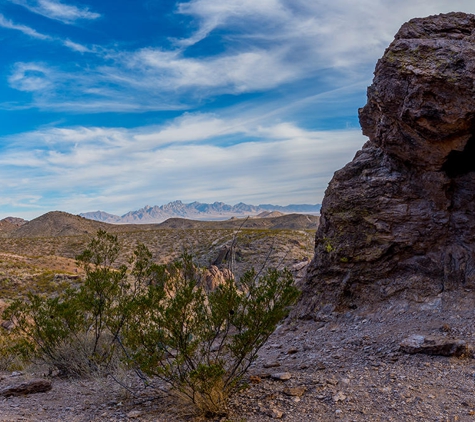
x=266, y=44
x=31, y=32
x=240, y=72
x=153, y=79
x=80, y=48
x=341, y=33
x=54, y=9
x=115, y=169
x=7, y=23
x=31, y=77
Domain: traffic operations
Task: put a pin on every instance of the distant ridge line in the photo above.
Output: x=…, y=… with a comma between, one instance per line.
x=196, y=210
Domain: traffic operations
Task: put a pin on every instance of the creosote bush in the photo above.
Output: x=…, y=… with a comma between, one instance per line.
x=158, y=320
x=76, y=331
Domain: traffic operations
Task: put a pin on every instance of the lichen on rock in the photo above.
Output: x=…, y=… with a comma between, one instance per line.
x=399, y=220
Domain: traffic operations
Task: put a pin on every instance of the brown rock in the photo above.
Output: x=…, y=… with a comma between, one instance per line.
x=255, y=379
x=281, y=376
x=294, y=391
x=271, y=364
x=399, y=220
x=134, y=414
x=433, y=345
x=27, y=387
x=213, y=277
x=274, y=413
x=339, y=396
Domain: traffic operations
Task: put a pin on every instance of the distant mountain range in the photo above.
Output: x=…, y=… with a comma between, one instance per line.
x=196, y=211
x=58, y=223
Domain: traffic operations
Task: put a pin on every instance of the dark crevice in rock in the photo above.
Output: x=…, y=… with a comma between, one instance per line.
x=459, y=163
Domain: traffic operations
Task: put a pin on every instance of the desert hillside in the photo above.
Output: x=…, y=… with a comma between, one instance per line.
x=36, y=253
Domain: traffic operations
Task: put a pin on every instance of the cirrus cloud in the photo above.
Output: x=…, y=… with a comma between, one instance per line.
x=54, y=9
x=111, y=168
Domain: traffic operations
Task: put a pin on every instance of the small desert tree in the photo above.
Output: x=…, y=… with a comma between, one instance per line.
x=202, y=343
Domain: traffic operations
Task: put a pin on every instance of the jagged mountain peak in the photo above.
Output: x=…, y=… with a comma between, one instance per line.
x=195, y=210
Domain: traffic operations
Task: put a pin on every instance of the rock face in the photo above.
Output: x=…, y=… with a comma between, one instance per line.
x=399, y=220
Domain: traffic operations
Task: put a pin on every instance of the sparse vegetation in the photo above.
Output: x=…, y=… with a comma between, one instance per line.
x=75, y=331
x=156, y=319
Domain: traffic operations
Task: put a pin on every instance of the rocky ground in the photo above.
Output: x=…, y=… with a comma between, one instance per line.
x=348, y=367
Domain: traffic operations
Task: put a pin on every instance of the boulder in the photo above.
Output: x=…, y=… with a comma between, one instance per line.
x=213, y=277
x=32, y=386
x=433, y=345
x=399, y=220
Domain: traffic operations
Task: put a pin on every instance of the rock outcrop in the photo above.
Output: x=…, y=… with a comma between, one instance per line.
x=214, y=277
x=399, y=220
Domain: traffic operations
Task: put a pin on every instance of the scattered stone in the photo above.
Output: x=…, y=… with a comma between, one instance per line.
x=292, y=351
x=134, y=414
x=294, y=391
x=281, y=376
x=320, y=366
x=254, y=379
x=27, y=387
x=339, y=397
x=433, y=345
x=271, y=364
x=263, y=375
x=275, y=413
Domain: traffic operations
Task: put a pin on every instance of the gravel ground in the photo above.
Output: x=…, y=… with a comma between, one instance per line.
x=347, y=367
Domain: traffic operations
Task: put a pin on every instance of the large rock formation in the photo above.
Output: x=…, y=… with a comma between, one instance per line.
x=399, y=220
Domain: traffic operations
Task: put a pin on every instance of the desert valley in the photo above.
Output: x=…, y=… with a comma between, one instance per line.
x=382, y=322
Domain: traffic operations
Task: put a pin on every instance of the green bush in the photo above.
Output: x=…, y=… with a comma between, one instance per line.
x=202, y=343
x=157, y=319
x=75, y=332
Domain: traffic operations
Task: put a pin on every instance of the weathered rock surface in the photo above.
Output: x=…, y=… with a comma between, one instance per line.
x=27, y=387
x=433, y=345
x=214, y=277
x=399, y=220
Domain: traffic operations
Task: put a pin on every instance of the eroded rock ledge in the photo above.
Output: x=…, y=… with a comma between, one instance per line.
x=399, y=220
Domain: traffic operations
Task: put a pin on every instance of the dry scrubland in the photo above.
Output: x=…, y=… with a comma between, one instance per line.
x=347, y=366
x=30, y=264
x=47, y=265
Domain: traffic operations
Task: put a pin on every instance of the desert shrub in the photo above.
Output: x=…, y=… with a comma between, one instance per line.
x=75, y=331
x=157, y=319
x=202, y=343
x=9, y=358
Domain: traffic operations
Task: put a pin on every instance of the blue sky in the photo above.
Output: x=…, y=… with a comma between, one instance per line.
x=113, y=105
